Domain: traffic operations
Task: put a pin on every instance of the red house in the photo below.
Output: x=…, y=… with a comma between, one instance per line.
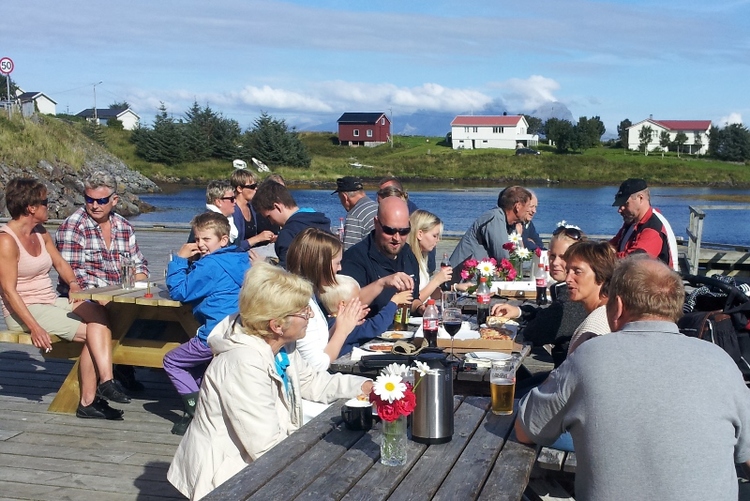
x=364, y=129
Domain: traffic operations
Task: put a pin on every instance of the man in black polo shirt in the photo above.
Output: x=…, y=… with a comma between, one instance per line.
x=383, y=262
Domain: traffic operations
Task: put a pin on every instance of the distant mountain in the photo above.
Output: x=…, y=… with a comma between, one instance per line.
x=430, y=123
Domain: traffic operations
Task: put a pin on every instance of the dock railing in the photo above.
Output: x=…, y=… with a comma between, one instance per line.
x=695, y=231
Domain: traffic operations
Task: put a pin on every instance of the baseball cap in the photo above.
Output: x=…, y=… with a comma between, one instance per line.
x=627, y=188
x=348, y=183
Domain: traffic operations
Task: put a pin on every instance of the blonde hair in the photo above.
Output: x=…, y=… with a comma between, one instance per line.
x=421, y=220
x=211, y=221
x=344, y=289
x=270, y=293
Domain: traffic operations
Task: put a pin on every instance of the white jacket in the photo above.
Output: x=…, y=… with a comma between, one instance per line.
x=240, y=396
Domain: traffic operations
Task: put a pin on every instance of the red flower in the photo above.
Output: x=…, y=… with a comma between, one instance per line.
x=509, y=246
x=506, y=264
x=538, y=252
x=407, y=404
x=388, y=412
x=493, y=261
x=512, y=274
x=471, y=263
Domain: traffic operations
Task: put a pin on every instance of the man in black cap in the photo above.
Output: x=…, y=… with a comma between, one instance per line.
x=644, y=229
x=360, y=210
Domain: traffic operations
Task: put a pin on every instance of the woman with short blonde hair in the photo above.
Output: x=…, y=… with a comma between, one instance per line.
x=254, y=230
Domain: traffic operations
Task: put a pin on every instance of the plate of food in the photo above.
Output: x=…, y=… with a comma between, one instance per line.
x=378, y=346
x=396, y=335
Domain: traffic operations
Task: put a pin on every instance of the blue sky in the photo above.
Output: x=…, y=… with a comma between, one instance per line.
x=308, y=61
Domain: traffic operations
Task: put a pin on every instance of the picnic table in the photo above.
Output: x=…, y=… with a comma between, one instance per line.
x=124, y=307
x=324, y=460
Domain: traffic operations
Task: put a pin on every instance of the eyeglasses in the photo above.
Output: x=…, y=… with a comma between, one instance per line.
x=572, y=233
x=44, y=202
x=231, y=199
x=100, y=201
x=253, y=186
x=307, y=314
x=392, y=231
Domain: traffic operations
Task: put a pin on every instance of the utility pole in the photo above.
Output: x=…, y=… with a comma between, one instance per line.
x=96, y=118
x=390, y=111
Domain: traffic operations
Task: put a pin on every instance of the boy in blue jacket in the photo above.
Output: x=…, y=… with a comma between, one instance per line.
x=347, y=288
x=211, y=285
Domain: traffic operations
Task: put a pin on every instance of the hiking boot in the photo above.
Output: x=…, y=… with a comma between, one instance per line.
x=189, y=400
x=125, y=375
x=111, y=390
x=99, y=409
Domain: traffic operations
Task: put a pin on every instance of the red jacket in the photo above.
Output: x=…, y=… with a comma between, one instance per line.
x=649, y=236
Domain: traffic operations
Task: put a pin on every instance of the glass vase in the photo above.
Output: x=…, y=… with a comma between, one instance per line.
x=393, y=446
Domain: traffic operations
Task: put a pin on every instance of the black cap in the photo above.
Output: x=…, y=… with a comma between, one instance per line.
x=627, y=188
x=348, y=183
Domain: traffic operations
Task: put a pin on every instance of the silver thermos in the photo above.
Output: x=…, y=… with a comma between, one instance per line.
x=432, y=420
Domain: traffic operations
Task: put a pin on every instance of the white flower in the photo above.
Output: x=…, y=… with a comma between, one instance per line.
x=565, y=224
x=523, y=253
x=389, y=388
x=421, y=367
x=486, y=269
x=516, y=239
x=395, y=369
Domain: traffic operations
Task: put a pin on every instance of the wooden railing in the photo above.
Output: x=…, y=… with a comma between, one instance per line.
x=695, y=231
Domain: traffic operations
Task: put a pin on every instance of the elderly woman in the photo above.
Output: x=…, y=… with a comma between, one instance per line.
x=589, y=267
x=29, y=302
x=251, y=395
x=426, y=229
x=253, y=229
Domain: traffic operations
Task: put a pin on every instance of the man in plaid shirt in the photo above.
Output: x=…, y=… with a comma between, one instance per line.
x=94, y=240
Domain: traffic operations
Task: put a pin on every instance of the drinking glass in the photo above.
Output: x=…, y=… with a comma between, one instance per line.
x=452, y=324
x=503, y=386
x=450, y=299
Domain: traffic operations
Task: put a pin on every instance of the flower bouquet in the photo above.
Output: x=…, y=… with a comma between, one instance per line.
x=518, y=253
x=489, y=268
x=394, y=399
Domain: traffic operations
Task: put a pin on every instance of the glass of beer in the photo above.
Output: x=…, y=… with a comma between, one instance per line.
x=503, y=386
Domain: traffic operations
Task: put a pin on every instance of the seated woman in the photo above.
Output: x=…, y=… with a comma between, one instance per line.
x=253, y=229
x=590, y=266
x=27, y=254
x=424, y=237
x=556, y=323
x=250, y=399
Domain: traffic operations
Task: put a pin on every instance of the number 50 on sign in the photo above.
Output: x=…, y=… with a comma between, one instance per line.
x=6, y=66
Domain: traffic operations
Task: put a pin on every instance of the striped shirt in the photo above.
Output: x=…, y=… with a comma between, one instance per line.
x=360, y=221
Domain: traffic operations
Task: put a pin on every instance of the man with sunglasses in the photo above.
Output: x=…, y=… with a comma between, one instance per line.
x=383, y=262
x=95, y=239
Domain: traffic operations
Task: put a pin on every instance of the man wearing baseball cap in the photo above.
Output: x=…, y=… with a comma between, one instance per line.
x=644, y=229
x=360, y=210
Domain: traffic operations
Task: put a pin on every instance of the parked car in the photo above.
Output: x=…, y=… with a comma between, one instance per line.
x=527, y=151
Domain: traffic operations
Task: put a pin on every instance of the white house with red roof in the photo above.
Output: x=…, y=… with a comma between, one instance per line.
x=695, y=130
x=473, y=132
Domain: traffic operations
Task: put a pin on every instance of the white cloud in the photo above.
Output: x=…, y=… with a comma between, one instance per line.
x=732, y=118
x=529, y=93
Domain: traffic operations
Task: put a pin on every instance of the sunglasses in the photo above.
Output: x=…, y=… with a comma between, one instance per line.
x=253, y=186
x=572, y=233
x=392, y=231
x=44, y=202
x=100, y=201
x=231, y=199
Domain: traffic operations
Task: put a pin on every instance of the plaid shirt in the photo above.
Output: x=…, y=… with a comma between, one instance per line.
x=79, y=240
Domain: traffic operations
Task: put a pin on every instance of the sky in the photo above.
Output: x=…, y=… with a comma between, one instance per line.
x=309, y=61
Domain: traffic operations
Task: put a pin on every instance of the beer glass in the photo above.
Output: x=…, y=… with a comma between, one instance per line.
x=503, y=386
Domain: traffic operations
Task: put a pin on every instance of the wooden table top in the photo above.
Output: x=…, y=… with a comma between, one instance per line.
x=115, y=293
x=324, y=460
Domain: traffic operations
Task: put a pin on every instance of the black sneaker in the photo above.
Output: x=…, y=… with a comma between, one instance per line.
x=99, y=409
x=111, y=390
x=125, y=375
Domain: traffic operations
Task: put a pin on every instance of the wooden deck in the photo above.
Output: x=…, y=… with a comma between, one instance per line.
x=49, y=456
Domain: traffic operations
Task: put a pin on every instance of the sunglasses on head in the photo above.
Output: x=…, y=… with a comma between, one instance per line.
x=250, y=186
x=392, y=231
x=44, y=202
x=231, y=199
x=100, y=201
x=572, y=233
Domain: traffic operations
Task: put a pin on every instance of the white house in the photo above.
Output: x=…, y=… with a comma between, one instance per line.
x=127, y=116
x=36, y=102
x=695, y=130
x=491, y=131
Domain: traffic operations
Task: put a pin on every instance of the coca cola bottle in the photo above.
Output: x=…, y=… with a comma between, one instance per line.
x=541, y=283
x=341, y=229
x=445, y=263
x=430, y=321
x=483, y=301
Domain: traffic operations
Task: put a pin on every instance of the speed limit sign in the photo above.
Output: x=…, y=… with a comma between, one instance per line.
x=6, y=66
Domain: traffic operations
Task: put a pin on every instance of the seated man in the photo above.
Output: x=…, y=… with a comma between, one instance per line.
x=275, y=202
x=383, y=263
x=653, y=414
x=487, y=235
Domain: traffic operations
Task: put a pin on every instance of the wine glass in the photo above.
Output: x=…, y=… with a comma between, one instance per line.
x=452, y=324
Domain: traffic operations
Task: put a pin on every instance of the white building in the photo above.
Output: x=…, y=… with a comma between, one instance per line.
x=127, y=116
x=491, y=131
x=695, y=130
x=36, y=102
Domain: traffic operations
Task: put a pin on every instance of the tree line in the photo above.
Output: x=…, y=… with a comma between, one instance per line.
x=202, y=134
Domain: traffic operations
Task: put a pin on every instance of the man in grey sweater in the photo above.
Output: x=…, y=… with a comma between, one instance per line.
x=653, y=414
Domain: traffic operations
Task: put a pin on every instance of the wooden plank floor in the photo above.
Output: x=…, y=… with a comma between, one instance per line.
x=49, y=456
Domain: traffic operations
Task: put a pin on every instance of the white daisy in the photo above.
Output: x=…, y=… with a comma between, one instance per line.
x=421, y=367
x=389, y=388
x=395, y=369
x=515, y=238
x=486, y=269
x=523, y=253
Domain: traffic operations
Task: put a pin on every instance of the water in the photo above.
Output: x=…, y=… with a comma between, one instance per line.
x=588, y=207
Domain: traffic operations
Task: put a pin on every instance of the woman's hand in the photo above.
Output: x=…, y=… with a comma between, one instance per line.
x=73, y=287
x=367, y=387
x=40, y=338
x=444, y=274
x=348, y=316
x=506, y=310
x=264, y=236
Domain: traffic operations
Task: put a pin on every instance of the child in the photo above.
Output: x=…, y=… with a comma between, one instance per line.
x=212, y=285
x=347, y=288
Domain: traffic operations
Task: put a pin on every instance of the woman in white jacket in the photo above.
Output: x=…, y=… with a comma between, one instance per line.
x=250, y=399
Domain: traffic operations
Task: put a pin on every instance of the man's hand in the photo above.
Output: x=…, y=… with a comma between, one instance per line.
x=506, y=310
x=40, y=338
x=400, y=281
x=188, y=250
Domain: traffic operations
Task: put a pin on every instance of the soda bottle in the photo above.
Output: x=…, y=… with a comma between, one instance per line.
x=430, y=321
x=445, y=263
x=540, y=275
x=483, y=301
x=341, y=229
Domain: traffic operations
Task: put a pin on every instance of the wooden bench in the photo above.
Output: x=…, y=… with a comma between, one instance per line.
x=60, y=347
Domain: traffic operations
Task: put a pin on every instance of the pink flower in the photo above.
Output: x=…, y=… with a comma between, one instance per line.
x=506, y=264
x=512, y=274
x=538, y=252
x=464, y=275
x=493, y=261
x=471, y=263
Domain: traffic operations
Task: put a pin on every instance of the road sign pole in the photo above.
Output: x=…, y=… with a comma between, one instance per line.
x=6, y=68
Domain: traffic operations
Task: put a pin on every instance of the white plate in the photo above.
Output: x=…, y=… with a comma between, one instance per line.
x=368, y=346
x=488, y=355
x=396, y=335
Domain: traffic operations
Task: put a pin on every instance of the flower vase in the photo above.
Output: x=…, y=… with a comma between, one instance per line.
x=518, y=265
x=393, y=446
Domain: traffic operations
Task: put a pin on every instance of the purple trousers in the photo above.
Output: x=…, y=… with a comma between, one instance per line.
x=186, y=364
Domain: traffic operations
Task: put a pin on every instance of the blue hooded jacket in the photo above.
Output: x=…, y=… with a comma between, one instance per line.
x=211, y=285
x=302, y=219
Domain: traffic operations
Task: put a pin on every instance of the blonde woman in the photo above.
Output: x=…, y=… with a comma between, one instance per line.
x=253, y=229
x=426, y=229
x=250, y=399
